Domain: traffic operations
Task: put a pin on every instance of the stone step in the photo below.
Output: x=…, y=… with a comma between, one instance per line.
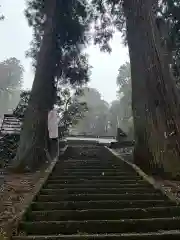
x=120, y=176
x=101, y=204
x=80, y=170
x=96, y=165
x=83, y=173
x=88, y=161
x=103, y=226
x=95, y=178
x=89, y=197
x=165, y=235
x=89, y=167
x=66, y=190
x=93, y=161
x=85, y=168
x=93, y=181
x=103, y=214
x=100, y=184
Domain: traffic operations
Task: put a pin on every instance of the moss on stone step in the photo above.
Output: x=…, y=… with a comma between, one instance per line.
x=100, y=204
x=102, y=214
x=96, y=226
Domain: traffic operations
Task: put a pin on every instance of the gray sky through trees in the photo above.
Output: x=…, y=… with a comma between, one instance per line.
x=16, y=36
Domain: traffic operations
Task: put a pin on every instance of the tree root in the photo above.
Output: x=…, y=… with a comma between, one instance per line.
x=31, y=161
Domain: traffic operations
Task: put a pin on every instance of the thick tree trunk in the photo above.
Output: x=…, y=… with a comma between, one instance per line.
x=154, y=98
x=32, y=151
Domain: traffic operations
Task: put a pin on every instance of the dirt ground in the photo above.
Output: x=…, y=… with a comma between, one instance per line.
x=16, y=194
x=172, y=187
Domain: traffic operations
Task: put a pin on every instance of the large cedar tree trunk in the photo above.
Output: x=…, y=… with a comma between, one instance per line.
x=32, y=151
x=154, y=98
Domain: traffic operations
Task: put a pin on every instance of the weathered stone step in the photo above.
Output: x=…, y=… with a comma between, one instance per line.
x=103, y=214
x=101, y=204
x=89, y=197
x=100, y=184
x=58, y=180
x=165, y=235
x=78, y=169
x=89, y=167
x=120, y=176
x=95, y=178
x=93, y=161
x=80, y=158
x=101, y=180
x=94, y=165
x=83, y=173
x=105, y=167
x=103, y=226
x=119, y=181
x=46, y=191
x=85, y=161
x=90, y=173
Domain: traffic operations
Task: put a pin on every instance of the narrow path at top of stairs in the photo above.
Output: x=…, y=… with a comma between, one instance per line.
x=93, y=195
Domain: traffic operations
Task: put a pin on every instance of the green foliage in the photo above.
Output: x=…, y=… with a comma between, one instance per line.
x=74, y=113
x=72, y=28
x=9, y=144
x=122, y=109
x=124, y=82
x=170, y=13
x=11, y=72
x=95, y=120
x=108, y=16
x=20, y=110
x=70, y=110
x=124, y=75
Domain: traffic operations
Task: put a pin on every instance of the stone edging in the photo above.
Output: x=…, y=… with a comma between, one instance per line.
x=147, y=178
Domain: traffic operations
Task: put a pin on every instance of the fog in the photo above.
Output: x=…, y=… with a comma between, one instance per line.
x=16, y=37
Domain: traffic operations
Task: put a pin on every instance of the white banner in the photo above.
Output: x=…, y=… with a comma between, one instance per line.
x=53, y=124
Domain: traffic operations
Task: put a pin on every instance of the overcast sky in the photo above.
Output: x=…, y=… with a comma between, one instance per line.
x=16, y=36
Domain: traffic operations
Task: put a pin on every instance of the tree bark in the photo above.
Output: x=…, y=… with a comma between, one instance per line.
x=154, y=98
x=32, y=151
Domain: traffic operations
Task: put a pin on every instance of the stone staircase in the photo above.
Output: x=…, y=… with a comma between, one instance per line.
x=88, y=196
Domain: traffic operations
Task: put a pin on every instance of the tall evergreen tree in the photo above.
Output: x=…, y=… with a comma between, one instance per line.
x=155, y=101
x=11, y=74
x=125, y=93
x=60, y=34
x=156, y=112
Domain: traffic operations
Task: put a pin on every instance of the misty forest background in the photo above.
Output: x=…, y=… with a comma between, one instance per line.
x=148, y=86
x=98, y=117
